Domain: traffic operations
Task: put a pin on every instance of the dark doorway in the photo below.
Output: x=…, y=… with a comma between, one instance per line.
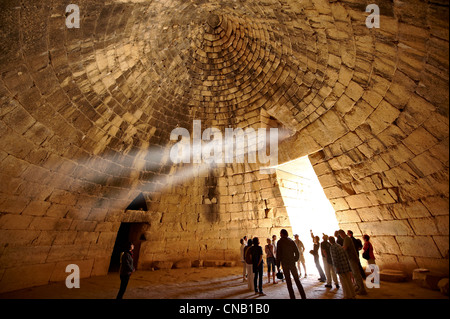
x=139, y=203
x=133, y=232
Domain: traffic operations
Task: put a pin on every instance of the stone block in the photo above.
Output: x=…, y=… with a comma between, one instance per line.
x=427, y=279
x=100, y=266
x=424, y=226
x=420, y=246
x=60, y=274
x=419, y=141
x=358, y=201
x=442, y=242
x=436, y=205
x=36, y=208
x=12, y=204
x=354, y=90
x=358, y=115
x=439, y=265
x=23, y=255
x=67, y=252
x=13, y=221
x=17, y=237
x=213, y=263
x=382, y=117
x=229, y=264
x=197, y=263
x=348, y=216
x=183, y=263
x=385, y=245
x=386, y=228
x=392, y=275
x=162, y=265
x=26, y=276
x=443, y=286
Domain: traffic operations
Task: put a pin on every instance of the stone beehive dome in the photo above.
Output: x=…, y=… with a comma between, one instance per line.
x=86, y=115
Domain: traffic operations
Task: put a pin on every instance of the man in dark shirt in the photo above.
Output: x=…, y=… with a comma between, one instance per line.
x=257, y=258
x=358, y=246
x=339, y=240
x=126, y=269
x=328, y=263
x=287, y=256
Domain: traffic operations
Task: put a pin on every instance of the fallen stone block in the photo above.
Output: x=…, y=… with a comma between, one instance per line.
x=197, y=263
x=392, y=275
x=183, y=263
x=213, y=263
x=427, y=279
x=229, y=264
x=443, y=286
x=162, y=264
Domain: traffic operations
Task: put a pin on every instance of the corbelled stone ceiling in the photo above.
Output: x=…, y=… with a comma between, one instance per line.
x=86, y=115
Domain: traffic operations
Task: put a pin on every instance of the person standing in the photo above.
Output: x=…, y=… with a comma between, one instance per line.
x=342, y=267
x=126, y=269
x=270, y=259
x=244, y=265
x=358, y=246
x=249, y=264
x=315, y=253
x=353, y=260
x=339, y=240
x=301, y=249
x=287, y=256
x=328, y=263
x=368, y=250
x=257, y=258
x=274, y=244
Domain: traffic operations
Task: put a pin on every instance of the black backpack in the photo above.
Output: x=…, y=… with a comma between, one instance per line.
x=248, y=255
x=358, y=245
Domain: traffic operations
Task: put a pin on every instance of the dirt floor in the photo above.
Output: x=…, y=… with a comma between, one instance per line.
x=207, y=283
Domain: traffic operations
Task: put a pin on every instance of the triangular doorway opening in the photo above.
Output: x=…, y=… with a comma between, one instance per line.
x=138, y=203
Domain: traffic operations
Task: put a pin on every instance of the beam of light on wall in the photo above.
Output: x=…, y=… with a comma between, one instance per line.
x=307, y=206
x=100, y=169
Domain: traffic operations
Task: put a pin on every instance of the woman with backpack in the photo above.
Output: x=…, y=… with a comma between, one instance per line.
x=368, y=250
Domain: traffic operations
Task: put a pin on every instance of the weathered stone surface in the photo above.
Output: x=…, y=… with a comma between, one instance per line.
x=213, y=263
x=427, y=279
x=418, y=246
x=197, y=263
x=392, y=275
x=162, y=264
x=443, y=286
x=229, y=264
x=183, y=263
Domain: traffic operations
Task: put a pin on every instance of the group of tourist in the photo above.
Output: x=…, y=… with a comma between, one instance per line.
x=340, y=258
x=284, y=253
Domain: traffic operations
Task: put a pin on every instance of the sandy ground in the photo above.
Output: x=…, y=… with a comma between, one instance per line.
x=206, y=283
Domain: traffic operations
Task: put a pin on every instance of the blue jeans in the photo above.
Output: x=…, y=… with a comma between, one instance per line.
x=271, y=262
x=258, y=277
x=319, y=268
